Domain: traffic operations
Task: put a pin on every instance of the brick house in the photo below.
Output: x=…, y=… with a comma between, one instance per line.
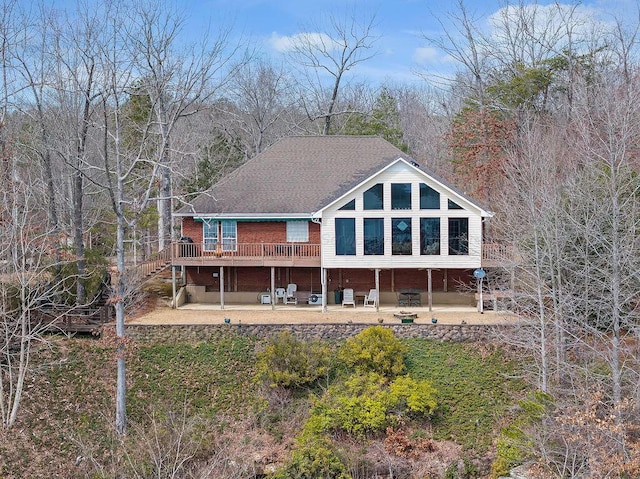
x=327, y=213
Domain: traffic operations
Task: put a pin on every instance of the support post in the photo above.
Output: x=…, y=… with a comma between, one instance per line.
x=430, y=289
x=221, y=287
x=273, y=288
x=480, y=300
x=323, y=281
x=445, y=281
x=378, y=289
x=173, y=287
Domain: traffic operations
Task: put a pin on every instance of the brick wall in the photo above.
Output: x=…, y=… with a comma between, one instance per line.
x=252, y=231
x=364, y=279
x=307, y=279
x=203, y=275
x=254, y=278
x=192, y=229
x=267, y=232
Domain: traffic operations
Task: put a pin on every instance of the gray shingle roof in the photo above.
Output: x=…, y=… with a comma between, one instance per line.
x=296, y=175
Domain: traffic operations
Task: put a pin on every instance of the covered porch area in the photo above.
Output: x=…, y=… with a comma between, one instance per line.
x=229, y=286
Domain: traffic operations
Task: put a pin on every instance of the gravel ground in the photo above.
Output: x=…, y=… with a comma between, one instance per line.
x=304, y=314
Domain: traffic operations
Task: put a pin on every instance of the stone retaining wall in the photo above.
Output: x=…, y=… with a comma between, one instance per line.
x=202, y=332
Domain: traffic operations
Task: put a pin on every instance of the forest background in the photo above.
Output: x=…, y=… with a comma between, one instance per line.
x=112, y=117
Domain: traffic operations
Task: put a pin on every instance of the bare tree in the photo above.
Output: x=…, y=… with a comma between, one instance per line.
x=326, y=56
x=137, y=55
x=178, y=79
x=529, y=218
x=262, y=97
x=573, y=209
x=464, y=41
x=31, y=64
x=75, y=47
x=424, y=123
x=25, y=280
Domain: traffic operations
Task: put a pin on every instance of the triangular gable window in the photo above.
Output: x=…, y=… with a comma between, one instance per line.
x=454, y=206
x=350, y=206
x=429, y=198
x=372, y=199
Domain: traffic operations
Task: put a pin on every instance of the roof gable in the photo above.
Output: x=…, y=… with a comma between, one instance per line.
x=429, y=178
x=298, y=177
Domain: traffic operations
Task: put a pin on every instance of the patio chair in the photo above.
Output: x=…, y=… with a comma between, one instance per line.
x=281, y=294
x=347, y=297
x=371, y=299
x=291, y=298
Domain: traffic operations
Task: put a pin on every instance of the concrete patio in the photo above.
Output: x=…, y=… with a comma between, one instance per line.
x=201, y=313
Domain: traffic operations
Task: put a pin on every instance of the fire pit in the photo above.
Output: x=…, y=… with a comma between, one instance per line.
x=406, y=316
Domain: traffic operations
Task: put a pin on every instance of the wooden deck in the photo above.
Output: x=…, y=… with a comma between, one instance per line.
x=74, y=320
x=498, y=255
x=283, y=254
x=246, y=254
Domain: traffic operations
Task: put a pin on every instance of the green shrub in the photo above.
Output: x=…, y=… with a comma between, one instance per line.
x=287, y=362
x=361, y=405
x=415, y=397
x=369, y=404
x=375, y=349
x=508, y=455
x=314, y=458
x=514, y=443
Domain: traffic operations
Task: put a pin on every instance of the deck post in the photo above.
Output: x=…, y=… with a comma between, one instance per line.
x=445, y=280
x=323, y=282
x=173, y=287
x=378, y=289
x=221, y=287
x=273, y=288
x=429, y=289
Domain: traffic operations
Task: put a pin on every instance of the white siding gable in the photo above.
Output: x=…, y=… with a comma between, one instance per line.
x=397, y=173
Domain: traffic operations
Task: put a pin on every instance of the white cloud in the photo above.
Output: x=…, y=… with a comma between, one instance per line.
x=424, y=55
x=549, y=23
x=284, y=43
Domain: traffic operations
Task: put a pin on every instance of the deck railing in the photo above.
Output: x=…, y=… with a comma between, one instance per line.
x=155, y=263
x=245, y=250
x=493, y=253
x=499, y=253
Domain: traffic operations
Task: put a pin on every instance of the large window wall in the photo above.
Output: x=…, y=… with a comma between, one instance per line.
x=401, y=219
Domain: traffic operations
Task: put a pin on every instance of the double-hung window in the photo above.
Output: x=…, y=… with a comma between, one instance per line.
x=210, y=234
x=229, y=235
x=220, y=233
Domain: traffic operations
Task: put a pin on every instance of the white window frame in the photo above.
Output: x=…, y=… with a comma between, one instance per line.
x=297, y=231
x=210, y=234
x=229, y=229
x=212, y=230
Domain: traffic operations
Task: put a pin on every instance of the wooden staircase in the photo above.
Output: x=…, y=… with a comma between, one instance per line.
x=158, y=263
x=78, y=319
x=90, y=317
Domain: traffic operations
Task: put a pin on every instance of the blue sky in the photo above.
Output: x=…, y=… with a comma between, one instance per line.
x=401, y=25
